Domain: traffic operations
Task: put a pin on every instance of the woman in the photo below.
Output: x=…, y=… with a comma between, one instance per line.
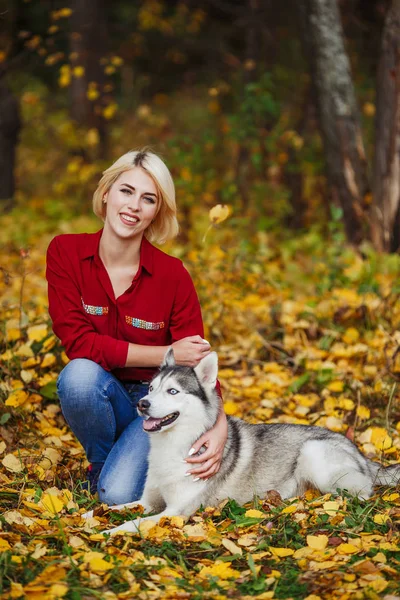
x=117, y=303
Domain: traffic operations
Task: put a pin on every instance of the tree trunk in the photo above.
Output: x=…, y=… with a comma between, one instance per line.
x=386, y=174
x=9, y=128
x=243, y=156
x=88, y=44
x=337, y=111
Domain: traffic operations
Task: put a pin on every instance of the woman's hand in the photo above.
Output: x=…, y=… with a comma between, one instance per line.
x=189, y=351
x=214, y=440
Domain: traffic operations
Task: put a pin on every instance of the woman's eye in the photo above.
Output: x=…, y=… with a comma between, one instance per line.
x=173, y=391
x=126, y=191
x=151, y=200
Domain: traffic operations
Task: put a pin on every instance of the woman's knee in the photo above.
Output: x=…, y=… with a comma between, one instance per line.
x=80, y=374
x=116, y=491
x=78, y=382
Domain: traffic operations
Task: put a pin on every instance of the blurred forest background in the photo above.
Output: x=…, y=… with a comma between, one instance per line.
x=287, y=112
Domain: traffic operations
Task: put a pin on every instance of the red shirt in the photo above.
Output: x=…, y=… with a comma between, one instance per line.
x=159, y=308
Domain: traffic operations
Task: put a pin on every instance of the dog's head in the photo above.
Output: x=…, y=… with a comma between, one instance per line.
x=181, y=395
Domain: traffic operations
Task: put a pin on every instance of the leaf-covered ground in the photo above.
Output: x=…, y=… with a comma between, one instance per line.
x=306, y=332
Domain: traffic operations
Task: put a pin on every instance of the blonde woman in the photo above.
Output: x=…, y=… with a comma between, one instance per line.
x=117, y=303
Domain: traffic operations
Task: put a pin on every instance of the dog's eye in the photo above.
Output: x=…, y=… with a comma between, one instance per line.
x=173, y=391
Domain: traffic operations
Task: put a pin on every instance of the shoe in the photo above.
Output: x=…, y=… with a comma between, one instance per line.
x=92, y=478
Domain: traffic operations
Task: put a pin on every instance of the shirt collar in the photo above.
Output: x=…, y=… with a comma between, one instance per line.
x=91, y=243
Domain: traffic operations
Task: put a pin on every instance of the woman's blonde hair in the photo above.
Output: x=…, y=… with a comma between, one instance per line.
x=165, y=225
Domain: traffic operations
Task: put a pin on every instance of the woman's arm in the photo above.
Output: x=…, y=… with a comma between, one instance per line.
x=188, y=352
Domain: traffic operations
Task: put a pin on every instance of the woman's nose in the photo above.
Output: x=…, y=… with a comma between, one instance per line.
x=134, y=203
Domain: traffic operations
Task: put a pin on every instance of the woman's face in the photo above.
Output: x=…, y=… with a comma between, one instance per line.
x=131, y=204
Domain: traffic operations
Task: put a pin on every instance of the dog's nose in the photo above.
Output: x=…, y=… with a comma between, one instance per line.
x=143, y=404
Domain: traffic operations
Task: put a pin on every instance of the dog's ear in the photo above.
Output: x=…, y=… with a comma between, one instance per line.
x=207, y=370
x=169, y=359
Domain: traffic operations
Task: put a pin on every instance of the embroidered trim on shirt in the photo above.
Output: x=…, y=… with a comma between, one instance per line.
x=140, y=324
x=94, y=310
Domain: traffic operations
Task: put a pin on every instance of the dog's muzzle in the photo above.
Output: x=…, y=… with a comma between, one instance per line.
x=151, y=423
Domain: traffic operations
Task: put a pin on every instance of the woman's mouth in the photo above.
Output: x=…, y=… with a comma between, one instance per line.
x=129, y=220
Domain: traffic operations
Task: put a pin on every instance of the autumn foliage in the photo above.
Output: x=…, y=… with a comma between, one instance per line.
x=305, y=333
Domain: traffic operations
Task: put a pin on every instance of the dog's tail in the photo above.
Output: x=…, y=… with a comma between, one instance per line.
x=389, y=476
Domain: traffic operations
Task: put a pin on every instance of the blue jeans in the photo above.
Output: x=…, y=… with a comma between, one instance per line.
x=101, y=412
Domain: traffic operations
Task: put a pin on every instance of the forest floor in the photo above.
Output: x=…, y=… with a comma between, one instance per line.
x=306, y=332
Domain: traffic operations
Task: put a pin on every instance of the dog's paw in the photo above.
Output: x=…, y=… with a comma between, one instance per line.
x=88, y=515
x=128, y=527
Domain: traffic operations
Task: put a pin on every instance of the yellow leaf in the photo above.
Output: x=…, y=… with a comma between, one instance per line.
x=363, y=412
x=76, y=542
x=336, y=386
x=247, y=540
x=12, y=463
x=380, y=438
x=110, y=110
x=196, y=532
x=2, y=447
x=49, y=360
x=57, y=590
x=51, y=502
x=92, y=137
x=16, y=590
x=254, y=514
x=381, y=519
x=231, y=408
x=219, y=213
x=37, y=333
x=145, y=527
x=222, y=570
x=49, y=343
x=51, y=457
x=177, y=522
x=117, y=61
x=17, y=398
x=25, y=350
x=4, y=545
x=289, y=509
x=27, y=376
x=317, y=542
x=13, y=334
x=99, y=565
x=351, y=336
x=347, y=549
x=281, y=552
x=331, y=508
x=231, y=546
x=388, y=497
x=65, y=12
x=368, y=109
x=78, y=71
x=92, y=93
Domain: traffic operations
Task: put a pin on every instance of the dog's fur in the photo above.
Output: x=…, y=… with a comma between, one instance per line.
x=256, y=459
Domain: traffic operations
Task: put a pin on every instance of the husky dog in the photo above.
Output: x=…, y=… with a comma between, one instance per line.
x=182, y=404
